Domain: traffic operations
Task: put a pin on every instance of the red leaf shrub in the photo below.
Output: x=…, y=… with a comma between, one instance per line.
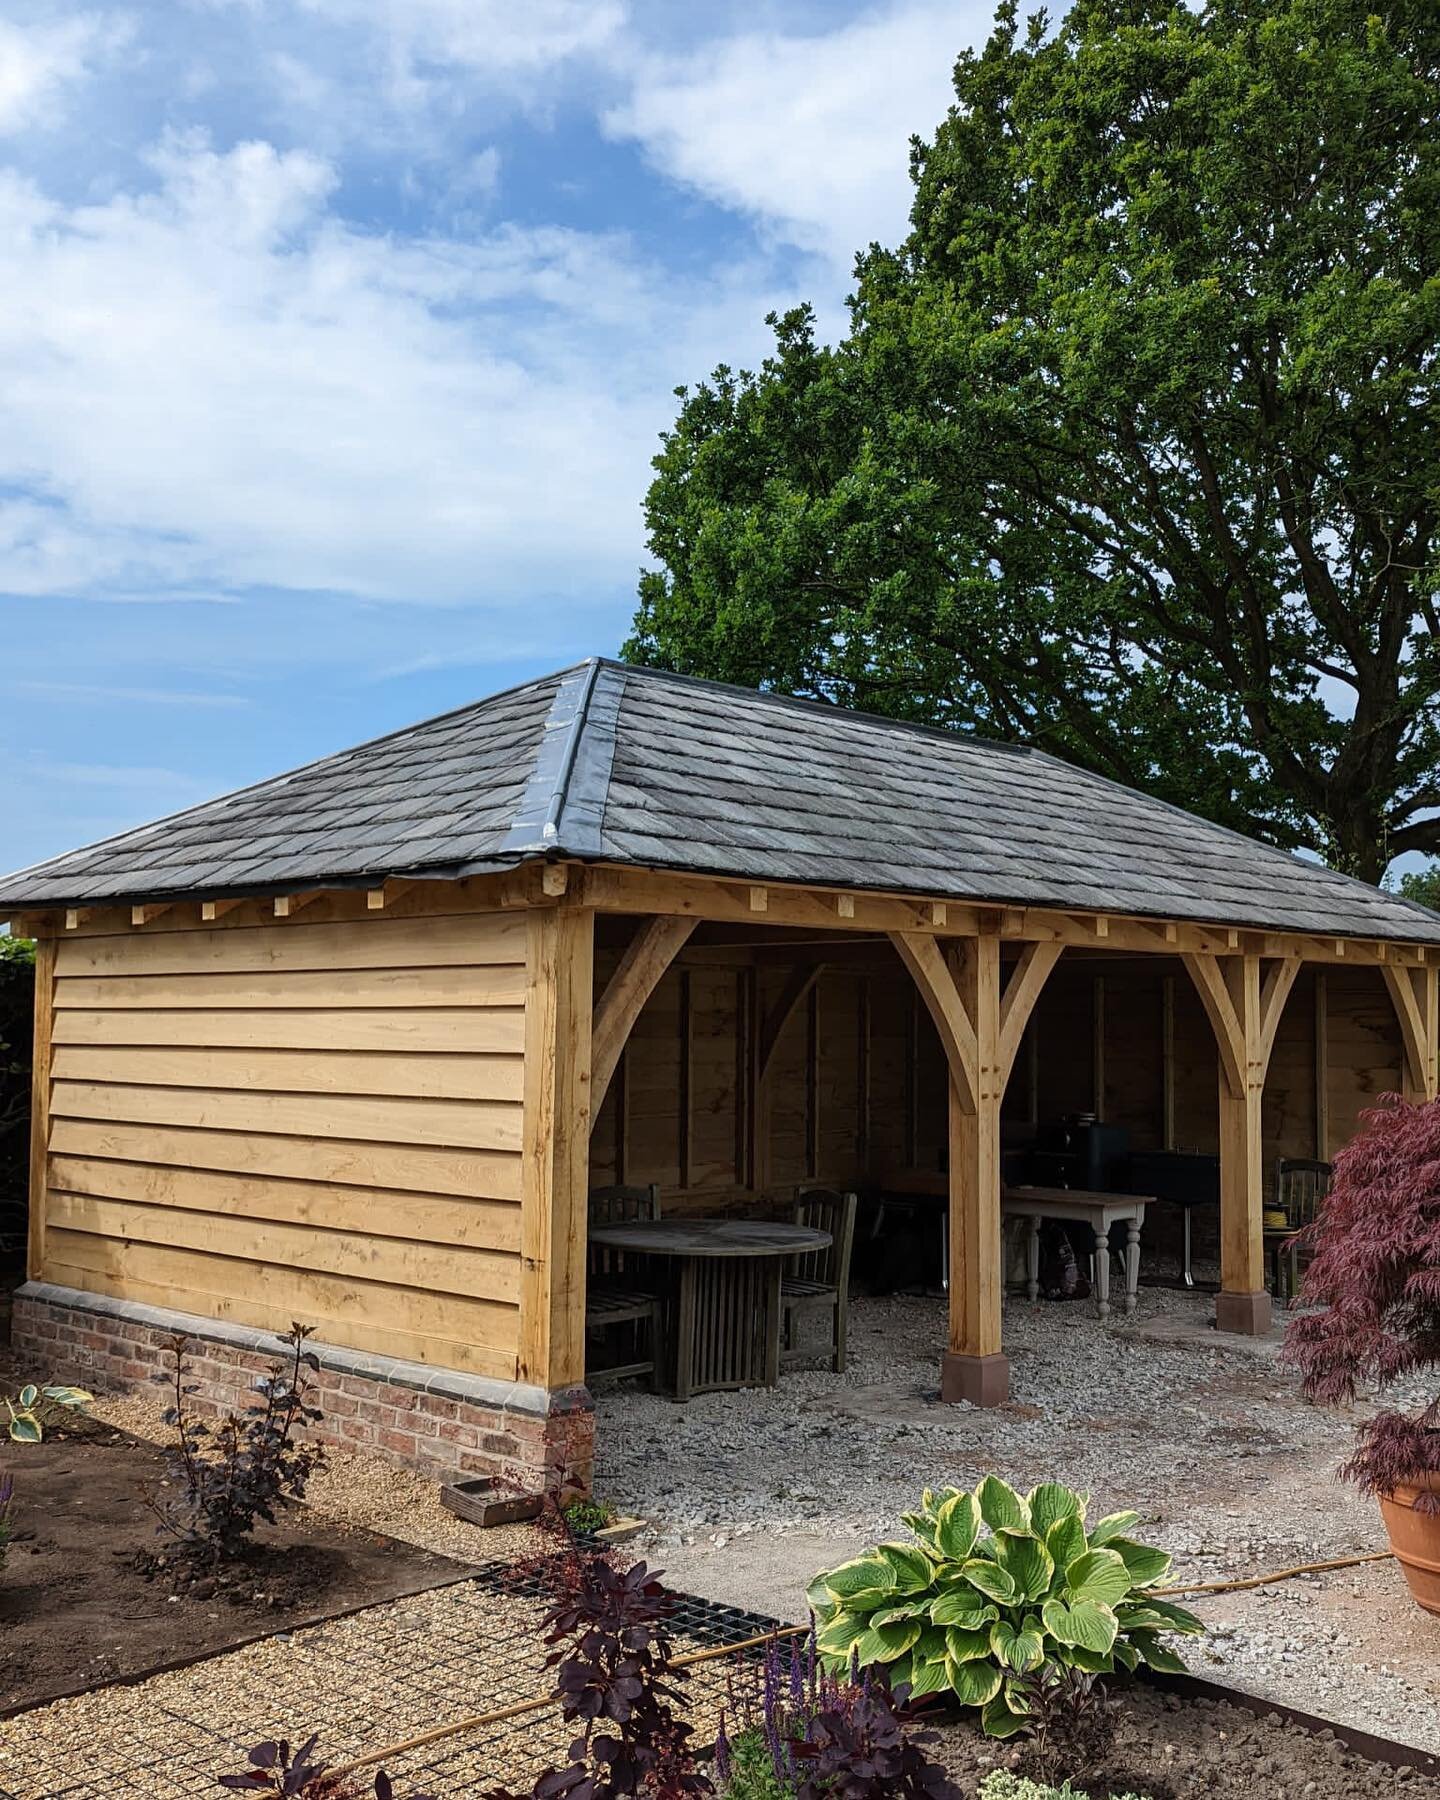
x=1376, y=1273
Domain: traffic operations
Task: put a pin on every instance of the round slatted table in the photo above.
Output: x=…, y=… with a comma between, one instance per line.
x=725, y=1304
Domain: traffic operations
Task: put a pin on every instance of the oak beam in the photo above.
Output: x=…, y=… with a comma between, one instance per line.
x=975, y=1367
x=934, y=977
x=646, y=958
x=1413, y=995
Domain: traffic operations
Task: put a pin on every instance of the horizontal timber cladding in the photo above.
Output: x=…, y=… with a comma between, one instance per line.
x=289, y=1121
x=856, y=1083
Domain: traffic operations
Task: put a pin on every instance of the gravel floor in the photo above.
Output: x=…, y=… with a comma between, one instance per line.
x=748, y=1494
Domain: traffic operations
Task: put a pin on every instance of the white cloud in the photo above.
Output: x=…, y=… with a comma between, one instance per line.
x=484, y=35
x=39, y=63
x=217, y=385
x=807, y=133
x=126, y=696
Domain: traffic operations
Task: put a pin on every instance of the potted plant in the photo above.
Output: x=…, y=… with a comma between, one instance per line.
x=1375, y=1276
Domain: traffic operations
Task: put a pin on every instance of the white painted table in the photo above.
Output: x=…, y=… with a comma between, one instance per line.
x=1084, y=1207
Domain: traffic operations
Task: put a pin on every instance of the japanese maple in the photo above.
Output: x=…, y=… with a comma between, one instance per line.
x=1376, y=1274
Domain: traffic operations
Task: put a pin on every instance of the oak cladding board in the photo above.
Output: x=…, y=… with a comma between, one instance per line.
x=451, y=1124
x=500, y=986
x=386, y=1212
x=372, y=943
x=411, y=1075
x=431, y=1268
x=458, y=1031
x=475, y=1335
x=492, y=1174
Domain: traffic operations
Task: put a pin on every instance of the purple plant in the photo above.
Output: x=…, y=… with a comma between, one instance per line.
x=1376, y=1275
x=273, y=1769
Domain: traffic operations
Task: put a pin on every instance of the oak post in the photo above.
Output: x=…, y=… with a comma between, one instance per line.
x=559, y=990
x=40, y=1105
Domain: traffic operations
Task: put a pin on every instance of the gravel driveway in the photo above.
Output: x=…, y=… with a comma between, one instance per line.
x=749, y=1494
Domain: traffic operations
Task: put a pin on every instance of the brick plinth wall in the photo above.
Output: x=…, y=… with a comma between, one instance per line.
x=439, y=1422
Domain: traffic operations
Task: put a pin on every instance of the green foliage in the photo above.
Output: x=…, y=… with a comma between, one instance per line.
x=1129, y=452
x=1000, y=1784
x=35, y=1407
x=586, y=1516
x=17, y=1011
x=1423, y=885
x=751, y=1773
x=994, y=1587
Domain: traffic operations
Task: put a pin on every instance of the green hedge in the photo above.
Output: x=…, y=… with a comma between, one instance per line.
x=17, y=1012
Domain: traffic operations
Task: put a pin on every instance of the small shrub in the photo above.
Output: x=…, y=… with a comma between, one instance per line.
x=615, y=1681
x=973, y=1615
x=239, y=1472
x=808, y=1734
x=33, y=1408
x=1000, y=1784
x=1376, y=1273
x=273, y=1769
x=585, y=1517
x=1069, y=1721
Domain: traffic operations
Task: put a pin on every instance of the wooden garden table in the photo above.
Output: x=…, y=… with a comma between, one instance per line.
x=726, y=1303
x=1083, y=1206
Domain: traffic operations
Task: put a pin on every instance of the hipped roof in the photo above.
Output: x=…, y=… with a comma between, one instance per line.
x=607, y=763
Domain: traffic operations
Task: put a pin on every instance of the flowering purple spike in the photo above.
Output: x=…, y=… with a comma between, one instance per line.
x=722, y=1751
x=797, y=1676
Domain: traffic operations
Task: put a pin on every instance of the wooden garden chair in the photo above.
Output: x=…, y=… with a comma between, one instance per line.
x=819, y=1281
x=1301, y=1184
x=616, y=1297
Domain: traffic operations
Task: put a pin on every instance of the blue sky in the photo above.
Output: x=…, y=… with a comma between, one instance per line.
x=337, y=335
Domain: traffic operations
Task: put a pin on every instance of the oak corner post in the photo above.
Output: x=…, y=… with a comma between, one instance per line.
x=559, y=995
x=40, y=1105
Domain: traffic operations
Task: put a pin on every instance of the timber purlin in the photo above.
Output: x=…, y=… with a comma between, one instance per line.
x=437, y=1420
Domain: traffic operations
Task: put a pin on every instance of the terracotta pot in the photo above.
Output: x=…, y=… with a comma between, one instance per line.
x=1415, y=1539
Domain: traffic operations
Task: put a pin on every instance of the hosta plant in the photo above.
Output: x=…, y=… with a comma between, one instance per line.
x=32, y=1406
x=994, y=1586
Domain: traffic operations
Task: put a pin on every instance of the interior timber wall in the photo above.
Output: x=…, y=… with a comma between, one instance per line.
x=322, y=1122
x=857, y=1085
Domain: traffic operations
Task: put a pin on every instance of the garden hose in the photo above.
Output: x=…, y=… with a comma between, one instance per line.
x=517, y=1709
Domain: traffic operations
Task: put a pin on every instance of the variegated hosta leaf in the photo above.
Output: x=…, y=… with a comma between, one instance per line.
x=1098, y=1575
x=866, y=1582
x=884, y=1643
x=842, y=1633
x=1065, y=1540
x=1113, y=1525
x=1145, y=1563
x=916, y=1609
x=922, y=1525
x=1082, y=1624
x=1051, y=1502
x=1157, y=1655
x=1001, y=1507
x=819, y=1599
x=964, y=1607
x=930, y=1645
x=974, y=1683
x=28, y=1395
x=1092, y=1661
x=966, y=1646
x=911, y=1567
x=1125, y=1654
x=25, y=1428
x=1174, y=1618
x=67, y=1396
x=928, y=1677
x=1000, y=1719
x=957, y=1525
x=991, y=1580
x=1027, y=1562
x=1021, y=1650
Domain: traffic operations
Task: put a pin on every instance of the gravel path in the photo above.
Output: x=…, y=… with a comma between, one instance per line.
x=749, y=1494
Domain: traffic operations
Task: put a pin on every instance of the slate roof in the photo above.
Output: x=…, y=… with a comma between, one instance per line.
x=612, y=764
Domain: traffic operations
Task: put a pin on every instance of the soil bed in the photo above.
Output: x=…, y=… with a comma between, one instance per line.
x=76, y=1609
x=1169, y=1748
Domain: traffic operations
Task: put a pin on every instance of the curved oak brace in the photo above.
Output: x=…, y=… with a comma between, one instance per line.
x=1017, y=1002
x=802, y=979
x=922, y=956
x=1215, y=996
x=1413, y=995
x=647, y=956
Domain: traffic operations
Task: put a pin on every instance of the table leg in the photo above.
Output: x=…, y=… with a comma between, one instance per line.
x=1032, y=1260
x=685, y=1329
x=774, y=1272
x=1102, y=1272
x=1132, y=1266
